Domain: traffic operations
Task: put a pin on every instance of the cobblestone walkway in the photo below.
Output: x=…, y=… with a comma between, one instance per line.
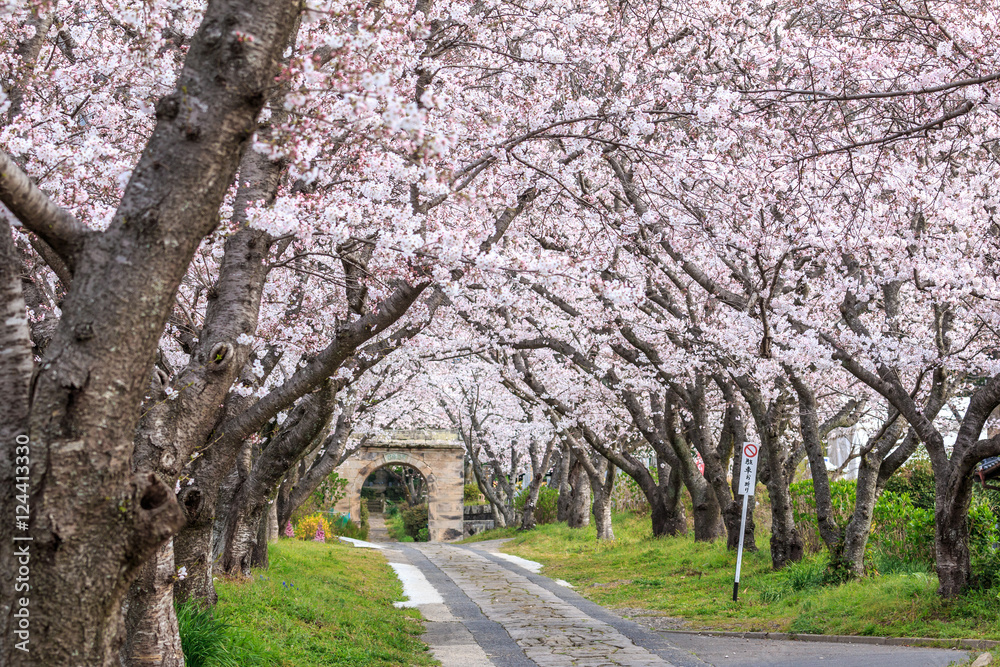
x=483, y=608
x=497, y=613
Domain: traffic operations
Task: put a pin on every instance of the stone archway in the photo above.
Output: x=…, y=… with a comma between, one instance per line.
x=437, y=455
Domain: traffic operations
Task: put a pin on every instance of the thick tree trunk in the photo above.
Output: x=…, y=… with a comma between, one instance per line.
x=786, y=543
x=85, y=499
x=565, y=485
x=952, y=497
x=664, y=500
x=708, y=525
x=16, y=366
x=193, y=552
x=578, y=515
x=258, y=555
x=152, y=636
x=602, y=490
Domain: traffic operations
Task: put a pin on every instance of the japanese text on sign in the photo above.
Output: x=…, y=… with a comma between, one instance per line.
x=748, y=469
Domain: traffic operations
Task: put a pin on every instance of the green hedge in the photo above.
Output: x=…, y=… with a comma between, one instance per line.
x=547, y=506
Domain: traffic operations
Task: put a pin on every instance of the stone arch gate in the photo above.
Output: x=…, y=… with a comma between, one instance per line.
x=437, y=455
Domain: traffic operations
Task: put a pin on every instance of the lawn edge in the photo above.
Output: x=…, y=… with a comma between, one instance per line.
x=968, y=644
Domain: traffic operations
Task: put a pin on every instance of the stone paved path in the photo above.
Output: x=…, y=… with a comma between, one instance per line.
x=497, y=613
x=377, y=532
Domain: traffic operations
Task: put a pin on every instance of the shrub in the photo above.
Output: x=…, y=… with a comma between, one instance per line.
x=628, y=497
x=471, y=495
x=414, y=518
x=984, y=541
x=901, y=532
x=306, y=528
x=394, y=524
x=546, y=507
x=343, y=526
x=391, y=509
x=917, y=480
x=842, y=498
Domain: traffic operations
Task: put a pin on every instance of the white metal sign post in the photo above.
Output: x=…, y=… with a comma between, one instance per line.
x=748, y=480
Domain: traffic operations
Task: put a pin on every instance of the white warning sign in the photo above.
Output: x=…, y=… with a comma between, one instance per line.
x=748, y=468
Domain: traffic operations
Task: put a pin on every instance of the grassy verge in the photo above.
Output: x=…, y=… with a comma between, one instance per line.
x=318, y=605
x=495, y=534
x=680, y=578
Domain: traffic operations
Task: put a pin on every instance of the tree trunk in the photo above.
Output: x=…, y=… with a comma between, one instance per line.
x=664, y=501
x=258, y=556
x=850, y=557
x=579, y=507
x=565, y=486
x=273, y=529
x=94, y=523
x=952, y=497
x=193, y=552
x=303, y=430
x=152, y=637
x=602, y=489
x=786, y=543
x=680, y=435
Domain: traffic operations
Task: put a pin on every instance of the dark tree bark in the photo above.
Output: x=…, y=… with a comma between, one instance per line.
x=579, y=505
x=565, y=485
x=85, y=398
x=664, y=501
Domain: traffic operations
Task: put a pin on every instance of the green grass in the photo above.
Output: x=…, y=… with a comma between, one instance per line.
x=495, y=534
x=679, y=577
x=322, y=604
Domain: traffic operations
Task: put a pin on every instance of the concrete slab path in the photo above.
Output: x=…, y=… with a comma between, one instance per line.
x=499, y=612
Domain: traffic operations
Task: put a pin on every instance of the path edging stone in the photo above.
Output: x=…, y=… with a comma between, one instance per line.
x=968, y=644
